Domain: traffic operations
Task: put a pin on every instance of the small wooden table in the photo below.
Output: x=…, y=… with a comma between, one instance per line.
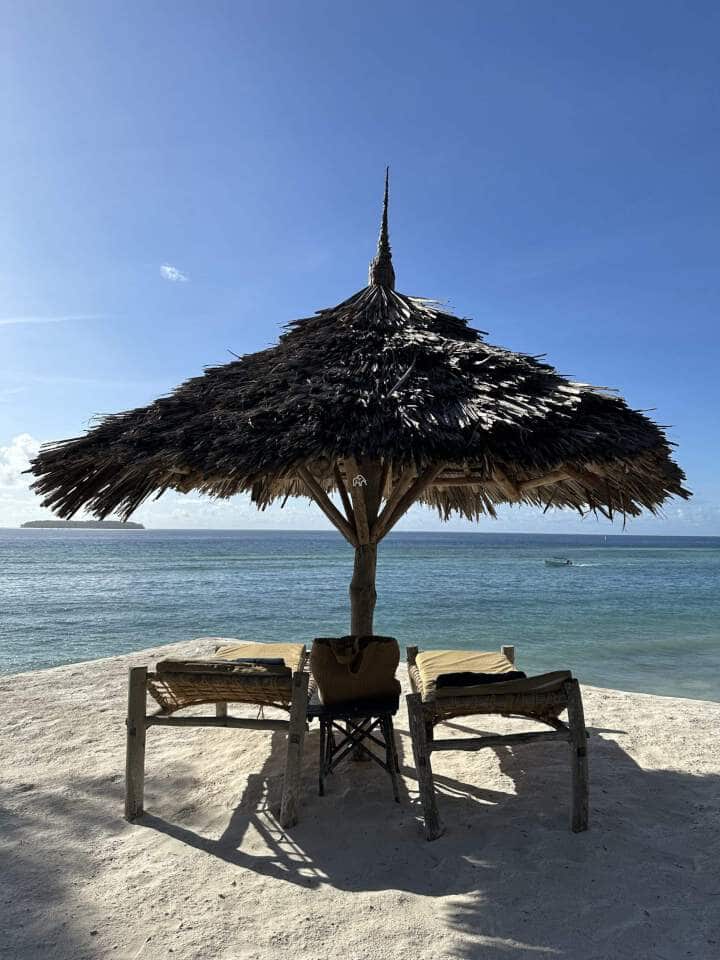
x=358, y=724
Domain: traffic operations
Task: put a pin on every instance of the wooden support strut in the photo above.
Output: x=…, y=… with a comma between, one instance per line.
x=238, y=723
x=403, y=483
x=327, y=506
x=342, y=490
x=497, y=740
x=388, y=518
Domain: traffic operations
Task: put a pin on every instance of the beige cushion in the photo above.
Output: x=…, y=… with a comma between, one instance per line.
x=292, y=654
x=433, y=663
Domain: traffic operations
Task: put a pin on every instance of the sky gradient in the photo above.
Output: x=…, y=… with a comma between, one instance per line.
x=179, y=180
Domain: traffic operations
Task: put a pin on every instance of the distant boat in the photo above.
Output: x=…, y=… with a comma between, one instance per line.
x=558, y=562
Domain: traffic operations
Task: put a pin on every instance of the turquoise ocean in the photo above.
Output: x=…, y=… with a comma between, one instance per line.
x=634, y=613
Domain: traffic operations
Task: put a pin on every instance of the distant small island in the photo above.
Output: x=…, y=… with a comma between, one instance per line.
x=85, y=524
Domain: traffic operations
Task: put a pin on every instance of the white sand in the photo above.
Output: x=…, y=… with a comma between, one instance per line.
x=207, y=873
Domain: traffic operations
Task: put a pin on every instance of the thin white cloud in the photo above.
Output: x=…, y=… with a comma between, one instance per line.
x=15, y=459
x=18, y=502
x=12, y=321
x=168, y=272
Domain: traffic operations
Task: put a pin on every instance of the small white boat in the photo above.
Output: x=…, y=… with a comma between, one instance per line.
x=558, y=562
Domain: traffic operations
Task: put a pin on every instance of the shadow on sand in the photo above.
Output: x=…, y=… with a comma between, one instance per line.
x=644, y=882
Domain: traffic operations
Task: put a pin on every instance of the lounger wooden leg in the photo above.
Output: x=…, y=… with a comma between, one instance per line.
x=578, y=746
x=135, y=749
x=421, y=752
x=295, y=740
x=390, y=760
x=396, y=758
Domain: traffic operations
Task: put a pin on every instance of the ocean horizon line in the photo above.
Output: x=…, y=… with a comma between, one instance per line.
x=335, y=534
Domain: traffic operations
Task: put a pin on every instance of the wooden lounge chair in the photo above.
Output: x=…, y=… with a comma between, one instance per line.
x=261, y=674
x=467, y=693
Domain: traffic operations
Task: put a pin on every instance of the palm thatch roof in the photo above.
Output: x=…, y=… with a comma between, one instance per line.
x=380, y=378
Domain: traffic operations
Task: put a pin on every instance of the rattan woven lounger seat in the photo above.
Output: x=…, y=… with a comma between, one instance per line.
x=461, y=683
x=258, y=674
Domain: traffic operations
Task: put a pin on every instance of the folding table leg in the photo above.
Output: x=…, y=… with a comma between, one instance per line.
x=323, y=759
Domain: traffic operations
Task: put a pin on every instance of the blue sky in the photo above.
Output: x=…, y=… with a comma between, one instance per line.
x=554, y=177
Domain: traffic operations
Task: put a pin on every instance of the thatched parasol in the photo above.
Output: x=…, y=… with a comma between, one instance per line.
x=386, y=400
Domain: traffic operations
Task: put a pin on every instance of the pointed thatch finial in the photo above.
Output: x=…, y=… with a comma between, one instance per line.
x=381, y=268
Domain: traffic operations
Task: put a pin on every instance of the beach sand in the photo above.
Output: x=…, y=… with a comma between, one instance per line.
x=207, y=872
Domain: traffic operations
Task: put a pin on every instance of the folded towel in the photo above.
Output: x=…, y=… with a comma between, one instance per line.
x=261, y=661
x=468, y=679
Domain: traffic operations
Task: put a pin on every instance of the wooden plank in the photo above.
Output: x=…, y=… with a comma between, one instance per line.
x=294, y=755
x=555, y=477
x=510, y=489
x=433, y=825
x=342, y=490
x=327, y=506
x=579, y=761
x=135, y=743
x=467, y=480
x=359, y=500
x=238, y=723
